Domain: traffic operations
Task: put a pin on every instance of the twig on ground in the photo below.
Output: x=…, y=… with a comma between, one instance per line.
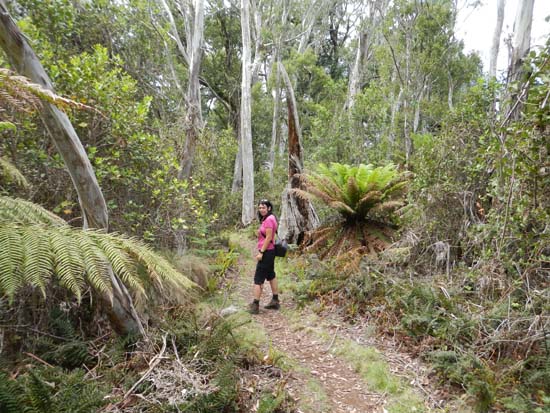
x=39, y=359
x=333, y=339
x=153, y=363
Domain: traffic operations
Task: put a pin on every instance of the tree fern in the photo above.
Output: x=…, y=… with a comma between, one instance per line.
x=364, y=197
x=37, y=247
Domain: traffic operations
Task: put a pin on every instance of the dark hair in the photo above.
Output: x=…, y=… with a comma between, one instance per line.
x=269, y=206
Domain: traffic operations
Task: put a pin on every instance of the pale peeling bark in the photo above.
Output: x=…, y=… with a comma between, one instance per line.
x=297, y=214
x=119, y=308
x=315, y=8
x=257, y=41
x=248, y=210
x=276, y=114
x=496, y=38
x=238, y=167
x=193, y=13
x=193, y=119
x=522, y=37
x=520, y=48
x=356, y=72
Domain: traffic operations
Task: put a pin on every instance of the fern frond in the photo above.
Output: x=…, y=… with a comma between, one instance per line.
x=386, y=207
x=11, y=260
x=25, y=92
x=301, y=194
x=396, y=189
x=342, y=208
x=95, y=263
x=352, y=192
x=320, y=237
x=9, y=394
x=67, y=263
x=122, y=264
x=37, y=246
x=39, y=394
x=11, y=173
x=162, y=273
x=38, y=260
x=13, y=210
x=368, y=202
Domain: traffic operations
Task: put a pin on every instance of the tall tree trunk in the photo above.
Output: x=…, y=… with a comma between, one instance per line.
x=193, y=13
x=496, y=39
x=359, y=63
x=520, y=49
x=119, y=308
x=315, y=7
x=246, y=121
x=238, y=167
x=193, y=118
x=450, y=92
x=276, y=114
x=256, y=13
x=297, y=214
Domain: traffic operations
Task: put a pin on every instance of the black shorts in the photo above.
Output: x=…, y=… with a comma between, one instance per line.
x=265, y=269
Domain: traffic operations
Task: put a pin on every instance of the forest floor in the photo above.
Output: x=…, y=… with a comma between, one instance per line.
x=327, y=364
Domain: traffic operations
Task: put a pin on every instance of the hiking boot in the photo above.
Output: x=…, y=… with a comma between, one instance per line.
x=254, y=308
x=273, y=305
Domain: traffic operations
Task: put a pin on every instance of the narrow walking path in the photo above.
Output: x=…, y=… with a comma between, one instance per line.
x=341, y=389
x=321, y=379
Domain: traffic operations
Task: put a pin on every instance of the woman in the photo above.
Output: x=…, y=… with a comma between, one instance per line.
x=265, y=267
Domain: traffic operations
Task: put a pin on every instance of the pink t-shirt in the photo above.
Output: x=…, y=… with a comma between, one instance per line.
x=269, y=222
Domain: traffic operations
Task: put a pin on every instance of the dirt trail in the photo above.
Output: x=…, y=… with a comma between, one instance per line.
x=345, y=390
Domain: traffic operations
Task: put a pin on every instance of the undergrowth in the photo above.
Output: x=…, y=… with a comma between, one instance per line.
x=474, y=343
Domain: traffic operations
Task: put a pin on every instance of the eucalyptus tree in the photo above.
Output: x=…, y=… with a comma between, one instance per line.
x=520, y=48
x=496, y=38
x=248, y=210
x=121, y=310
x=190, y=49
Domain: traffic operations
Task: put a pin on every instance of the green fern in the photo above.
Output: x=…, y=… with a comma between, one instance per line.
x=10, y=392
x=364, y=198
x=39, y=394
x=22, y=94
x=51, y=390
x=10, y=173
x=38, y=246
x=25, y=212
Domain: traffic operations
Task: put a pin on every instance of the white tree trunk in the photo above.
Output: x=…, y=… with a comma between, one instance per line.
x=522, y=37
x=246, y=119
x=450, y=92
x=520, y=48
x=238, y=167
x=256, y=13
x=276, y=114
x=119, y=308
x=193, y=119
x=193, y=13
x=355, y=77
x=314, y=9
x=496, y=39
